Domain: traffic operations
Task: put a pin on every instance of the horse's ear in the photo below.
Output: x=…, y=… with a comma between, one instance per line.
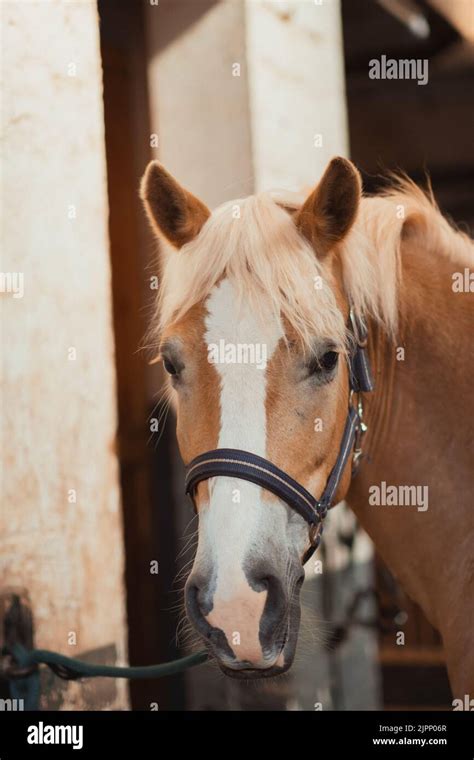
x=329, y=211
x=173, y=211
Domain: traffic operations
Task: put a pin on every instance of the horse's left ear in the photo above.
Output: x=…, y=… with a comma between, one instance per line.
x=329, y=211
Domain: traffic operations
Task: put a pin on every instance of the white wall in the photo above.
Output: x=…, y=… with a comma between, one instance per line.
x=296, y=75
x=274, y=125
x=58, y=408
x=199, y=110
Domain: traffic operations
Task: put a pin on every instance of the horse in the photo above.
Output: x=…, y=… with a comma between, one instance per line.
x=275, y=277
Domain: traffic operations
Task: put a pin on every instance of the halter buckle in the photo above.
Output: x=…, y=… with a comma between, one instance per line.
x=360, y=431
x=359, y=329
x=315, y=532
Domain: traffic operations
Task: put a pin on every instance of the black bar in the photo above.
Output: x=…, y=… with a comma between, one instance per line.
x=375, y=734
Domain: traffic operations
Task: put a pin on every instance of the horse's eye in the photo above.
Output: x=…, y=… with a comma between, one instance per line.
x=320, y=366
x=329, y=360
x=169, y=366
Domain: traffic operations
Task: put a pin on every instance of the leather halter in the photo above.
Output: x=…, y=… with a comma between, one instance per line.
x=237, y=463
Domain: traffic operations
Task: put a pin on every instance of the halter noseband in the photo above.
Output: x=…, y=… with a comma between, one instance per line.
x=236, y=463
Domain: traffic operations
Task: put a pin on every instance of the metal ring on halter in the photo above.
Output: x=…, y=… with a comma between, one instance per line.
x=359, y=329
x=315, y=533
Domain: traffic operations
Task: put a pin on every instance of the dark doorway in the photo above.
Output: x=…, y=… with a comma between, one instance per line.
x=146, y=465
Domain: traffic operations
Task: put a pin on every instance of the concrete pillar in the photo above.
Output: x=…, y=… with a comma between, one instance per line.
x=199, y=95
x=296, y=82
x=60, y=531
x=246, y=95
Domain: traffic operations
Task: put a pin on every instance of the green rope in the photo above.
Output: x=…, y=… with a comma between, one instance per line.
x=70, y=668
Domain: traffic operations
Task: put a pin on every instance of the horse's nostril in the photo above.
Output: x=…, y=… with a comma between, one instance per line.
x=194, y=605
x=199, y=603
x=264, y=582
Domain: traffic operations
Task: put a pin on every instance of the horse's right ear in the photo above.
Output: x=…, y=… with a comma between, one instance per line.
x=173, y=211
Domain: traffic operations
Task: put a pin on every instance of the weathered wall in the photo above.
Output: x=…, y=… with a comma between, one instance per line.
x=246, y=95
x=199, y=97
x=60, y=531
x=296, y=80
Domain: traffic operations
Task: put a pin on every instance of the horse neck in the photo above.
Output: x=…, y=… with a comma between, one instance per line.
x=420, y=420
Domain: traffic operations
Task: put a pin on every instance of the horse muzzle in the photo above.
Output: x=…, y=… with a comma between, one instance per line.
x=252, y=633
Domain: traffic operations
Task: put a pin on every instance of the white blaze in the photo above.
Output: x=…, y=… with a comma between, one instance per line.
x=228, y=529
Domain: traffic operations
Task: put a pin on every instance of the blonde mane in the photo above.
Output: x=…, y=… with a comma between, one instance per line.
x=371, y=252
x=255, y=243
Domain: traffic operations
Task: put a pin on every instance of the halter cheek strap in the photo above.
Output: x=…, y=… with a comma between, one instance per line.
x=245, y=465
